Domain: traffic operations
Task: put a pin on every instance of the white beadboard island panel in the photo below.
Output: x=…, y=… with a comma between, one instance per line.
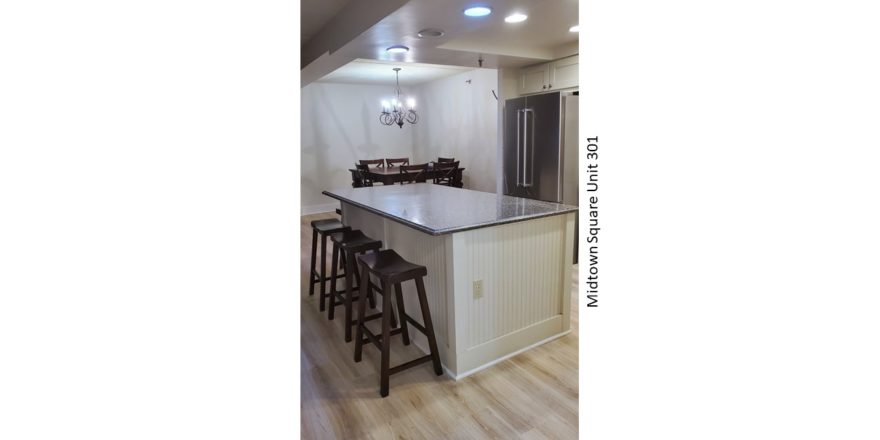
x=525, y=268
x=429, y=251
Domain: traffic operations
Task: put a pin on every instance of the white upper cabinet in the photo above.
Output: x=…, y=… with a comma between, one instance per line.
x=559, y=74
x=534, y=79
x=564, y=73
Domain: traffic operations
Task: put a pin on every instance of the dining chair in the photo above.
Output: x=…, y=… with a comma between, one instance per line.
x=446, y=173
x=413, y=173
x=397, y=162
x=376, y=163
x=361, y=176
x=445, y=159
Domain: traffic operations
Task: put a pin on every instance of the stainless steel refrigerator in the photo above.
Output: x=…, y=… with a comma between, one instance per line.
x=540, y=147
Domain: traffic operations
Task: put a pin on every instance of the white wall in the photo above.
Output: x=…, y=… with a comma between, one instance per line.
x=460, y=120
x=340, y=124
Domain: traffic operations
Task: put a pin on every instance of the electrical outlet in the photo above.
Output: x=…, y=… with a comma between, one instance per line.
x=478, y=289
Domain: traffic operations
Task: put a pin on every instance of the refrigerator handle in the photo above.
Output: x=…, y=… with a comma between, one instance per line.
x=518, y=140
x=525, y=163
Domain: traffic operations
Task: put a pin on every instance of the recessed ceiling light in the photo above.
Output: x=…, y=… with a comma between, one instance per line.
x=430, y=32
x=574, y=28
x=516, y=17
x=397, y=48
x=478, y=11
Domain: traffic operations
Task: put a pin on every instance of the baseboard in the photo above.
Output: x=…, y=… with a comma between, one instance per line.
x=507, y=356
x=452, y=374
x=317, y=209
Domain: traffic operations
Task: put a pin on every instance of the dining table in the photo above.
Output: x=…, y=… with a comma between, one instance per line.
x=391, y=175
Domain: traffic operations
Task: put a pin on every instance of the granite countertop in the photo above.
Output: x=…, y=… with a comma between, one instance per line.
x=439, y=209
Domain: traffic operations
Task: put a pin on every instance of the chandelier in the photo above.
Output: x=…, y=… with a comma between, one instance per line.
x=395, y=112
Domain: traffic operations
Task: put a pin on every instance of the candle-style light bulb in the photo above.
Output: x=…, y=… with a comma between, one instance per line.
x=411, y=103
x=385, y=105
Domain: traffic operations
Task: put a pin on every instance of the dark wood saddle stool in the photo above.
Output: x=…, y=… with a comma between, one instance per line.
x=323, y=227
x=346, y=245
x=392, y=269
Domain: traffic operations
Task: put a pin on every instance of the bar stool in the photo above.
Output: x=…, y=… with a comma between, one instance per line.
x=323, y=227
x=347, y=244
x=392, y=269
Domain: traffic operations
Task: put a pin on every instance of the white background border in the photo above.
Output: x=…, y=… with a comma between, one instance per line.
x=149, y=233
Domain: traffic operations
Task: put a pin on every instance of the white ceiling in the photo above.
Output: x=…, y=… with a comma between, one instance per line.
x=380, y=72
x=545, y=30
x=542, y=37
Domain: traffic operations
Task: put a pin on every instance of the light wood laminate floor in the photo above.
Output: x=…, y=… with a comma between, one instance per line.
x=533, y=395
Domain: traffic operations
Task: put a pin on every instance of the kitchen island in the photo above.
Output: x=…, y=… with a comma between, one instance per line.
x=499, y=267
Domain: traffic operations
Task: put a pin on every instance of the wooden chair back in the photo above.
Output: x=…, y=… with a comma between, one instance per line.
x=446, y=173
x=397, y=162
x=361, y=176
x=445, y=159
x=413, y=173
x=376, y=163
